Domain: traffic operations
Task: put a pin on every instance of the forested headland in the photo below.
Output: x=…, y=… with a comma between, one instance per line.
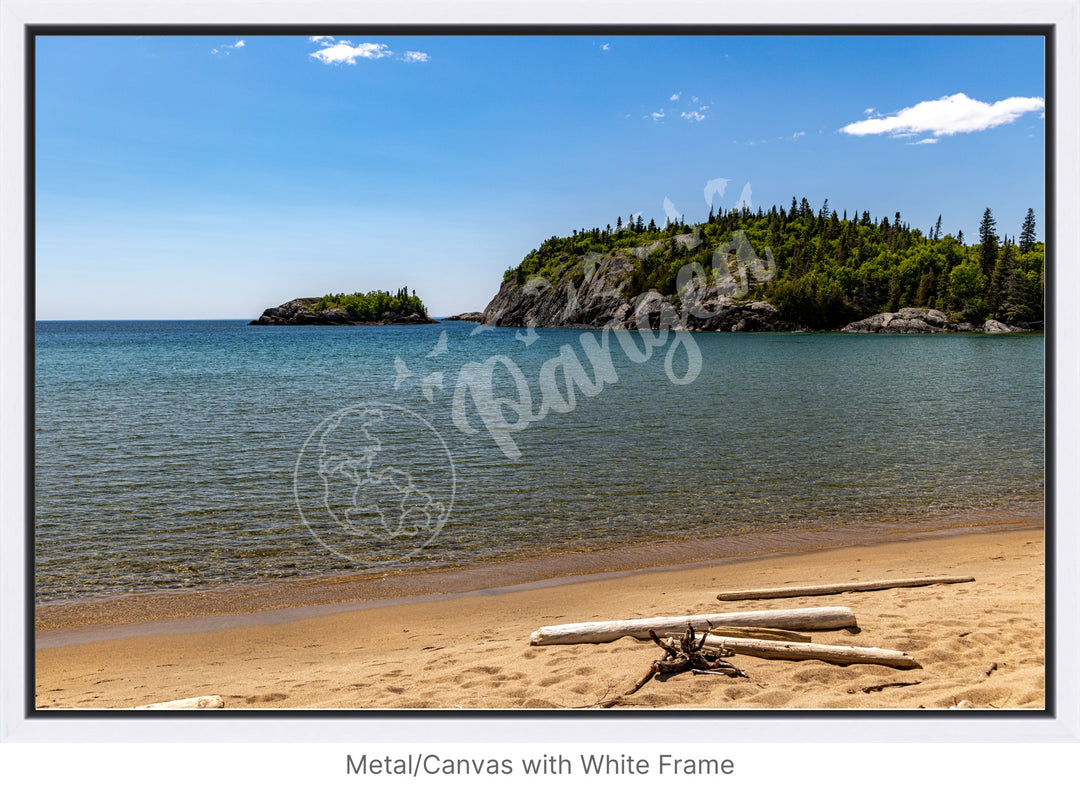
x=819, y=269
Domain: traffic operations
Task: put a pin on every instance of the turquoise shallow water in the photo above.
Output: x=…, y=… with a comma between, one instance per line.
x=199, y=453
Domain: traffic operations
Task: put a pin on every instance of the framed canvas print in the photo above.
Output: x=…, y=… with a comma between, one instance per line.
x=441, y=372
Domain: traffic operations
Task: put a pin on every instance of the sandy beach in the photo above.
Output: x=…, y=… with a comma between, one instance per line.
x=980, y=644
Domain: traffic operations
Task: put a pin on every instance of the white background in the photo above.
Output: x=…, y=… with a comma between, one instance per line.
x=962, y=752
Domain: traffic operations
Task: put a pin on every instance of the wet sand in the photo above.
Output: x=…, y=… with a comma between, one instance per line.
x=384, y=645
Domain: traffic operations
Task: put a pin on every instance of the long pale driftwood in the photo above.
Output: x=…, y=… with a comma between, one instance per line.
x=760, y=633
x=823, y=618
x=206, y=701
x=834, y=589
x=802, y=651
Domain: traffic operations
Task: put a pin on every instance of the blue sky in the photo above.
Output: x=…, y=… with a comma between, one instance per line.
x=214, y=176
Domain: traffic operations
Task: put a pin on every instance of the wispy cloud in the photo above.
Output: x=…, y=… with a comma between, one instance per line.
x=605, y=46
x=415, y=57
x=923, y=141
x=345, y=52
x=226, y=49
x=947, y=116
x=320, y=38
x=685, y=110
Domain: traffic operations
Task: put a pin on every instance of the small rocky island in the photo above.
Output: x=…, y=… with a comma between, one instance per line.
x=472, y=317
x=354, y=309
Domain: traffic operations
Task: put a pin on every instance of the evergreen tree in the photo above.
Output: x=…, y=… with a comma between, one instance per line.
x=1027, y=232
x=828, y=270
x=988, y=243
x=1006, y=264
x=925, y=292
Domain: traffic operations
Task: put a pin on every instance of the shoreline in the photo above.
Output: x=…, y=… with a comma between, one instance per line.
x=979, y=644
x=74, y=621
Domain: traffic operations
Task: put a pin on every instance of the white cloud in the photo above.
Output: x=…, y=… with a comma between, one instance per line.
x=320, y=38
x=344, y=52
x=868, y=111
x=798, y=135
x=226, y=49
x=605, y=46
x=415, y=57
x=675, y=97
x=924, y=141
x=693, y=116
x=947, y=116
x=656, y=115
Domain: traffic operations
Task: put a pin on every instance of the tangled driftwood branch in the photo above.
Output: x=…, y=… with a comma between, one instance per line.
x=690, y=655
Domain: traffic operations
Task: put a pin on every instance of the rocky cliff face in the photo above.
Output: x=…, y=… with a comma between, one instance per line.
x=300, y=312
x=593, y=293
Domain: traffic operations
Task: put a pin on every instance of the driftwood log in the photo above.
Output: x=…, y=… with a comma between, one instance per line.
x=824, y=618
x=681, y=655
x=207, y=701
x=834, y=589
x=802, y=651
x=750, y=632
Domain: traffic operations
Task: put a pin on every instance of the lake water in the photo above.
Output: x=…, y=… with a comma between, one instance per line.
x=183, y=454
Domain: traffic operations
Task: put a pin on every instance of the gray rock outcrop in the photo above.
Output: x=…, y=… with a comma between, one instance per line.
x=594, y=295
x=475, y=318
x=906, y=320
x=993, y=327
x=909, y=320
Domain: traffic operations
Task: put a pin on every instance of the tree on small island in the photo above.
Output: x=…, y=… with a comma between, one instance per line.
x=372, y=305
x=333, y=309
